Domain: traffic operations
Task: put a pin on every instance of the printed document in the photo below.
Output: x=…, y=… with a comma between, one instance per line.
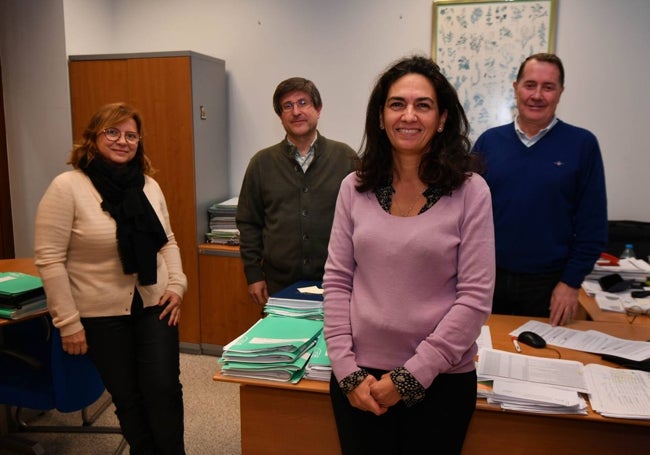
x=587, y=341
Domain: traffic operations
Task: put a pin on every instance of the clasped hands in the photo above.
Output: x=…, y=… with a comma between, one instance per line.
x=374, y=395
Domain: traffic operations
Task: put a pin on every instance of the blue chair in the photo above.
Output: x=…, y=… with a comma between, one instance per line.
x=36, y=374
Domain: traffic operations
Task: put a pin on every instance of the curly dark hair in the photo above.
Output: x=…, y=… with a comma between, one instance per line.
x=448, y=161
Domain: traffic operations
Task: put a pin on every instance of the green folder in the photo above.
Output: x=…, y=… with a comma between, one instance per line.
x=319, y=353
x=267, y=357
x=276, y=333
x=287, y=372
x=13, y=283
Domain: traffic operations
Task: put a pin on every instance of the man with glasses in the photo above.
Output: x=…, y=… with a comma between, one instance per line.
x=287, y=197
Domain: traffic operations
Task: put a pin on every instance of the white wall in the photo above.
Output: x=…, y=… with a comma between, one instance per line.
x=340, y=44
x=37, y=106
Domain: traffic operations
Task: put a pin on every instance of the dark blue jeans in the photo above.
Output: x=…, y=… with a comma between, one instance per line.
x=437, y=424
x=138, y=359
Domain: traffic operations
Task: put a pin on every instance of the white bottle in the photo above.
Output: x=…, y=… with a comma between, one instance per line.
x=628, y=252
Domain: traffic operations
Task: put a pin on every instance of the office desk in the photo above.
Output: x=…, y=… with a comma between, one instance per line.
x=280, y=418
x=23, y=265
x=596, y=314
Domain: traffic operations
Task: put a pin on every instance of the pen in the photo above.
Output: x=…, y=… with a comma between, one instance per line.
x=516, y=343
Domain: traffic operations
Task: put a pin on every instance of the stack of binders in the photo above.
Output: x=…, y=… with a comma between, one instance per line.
x=319, y=367
x=222, y=228
x=21, y=295
x=276, y=348
x=303, y=299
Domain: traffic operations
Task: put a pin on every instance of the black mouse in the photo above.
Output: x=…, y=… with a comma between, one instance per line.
x=531, y=339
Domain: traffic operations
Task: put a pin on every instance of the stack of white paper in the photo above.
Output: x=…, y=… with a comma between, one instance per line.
x=532, y=384
x=303, y=299
x=619, y=302
x=550, y=386
x=587, y=341
x=629, y=269
x=222, y=228
x=524, y=396
x=616, y=392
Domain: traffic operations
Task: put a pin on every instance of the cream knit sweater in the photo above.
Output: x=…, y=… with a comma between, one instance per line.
x=76, y=254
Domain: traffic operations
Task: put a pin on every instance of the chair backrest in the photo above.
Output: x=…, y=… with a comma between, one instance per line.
x=63, y=382
x=75, y=379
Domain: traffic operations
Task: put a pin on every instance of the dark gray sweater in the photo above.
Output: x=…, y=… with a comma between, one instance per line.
x=284, y=215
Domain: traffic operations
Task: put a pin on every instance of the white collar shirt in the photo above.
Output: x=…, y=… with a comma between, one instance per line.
x=530, y=141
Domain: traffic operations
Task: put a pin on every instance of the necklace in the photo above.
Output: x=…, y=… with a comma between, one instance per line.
x=407, y=212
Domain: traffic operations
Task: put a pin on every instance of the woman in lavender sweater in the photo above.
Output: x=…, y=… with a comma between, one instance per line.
x=410, y=272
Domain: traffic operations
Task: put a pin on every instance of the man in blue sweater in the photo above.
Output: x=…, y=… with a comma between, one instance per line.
x=548, y=196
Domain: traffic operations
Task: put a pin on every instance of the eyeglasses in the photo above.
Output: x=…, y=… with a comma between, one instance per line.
x=635, y=310
x=113, y=134
x=300, y=104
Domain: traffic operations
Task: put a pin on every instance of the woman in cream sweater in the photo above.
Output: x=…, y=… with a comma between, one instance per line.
x=112, y=273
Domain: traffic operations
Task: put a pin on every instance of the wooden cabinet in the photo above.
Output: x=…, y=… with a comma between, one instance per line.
x=227, y=311
x=182, y=98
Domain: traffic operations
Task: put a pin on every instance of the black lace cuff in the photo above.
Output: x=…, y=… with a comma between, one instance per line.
x=408, y=387
x=350, y=382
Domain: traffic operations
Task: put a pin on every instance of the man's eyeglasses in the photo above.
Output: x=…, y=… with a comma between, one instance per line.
x=635, y=310
x=113, y=134
x=300, y=104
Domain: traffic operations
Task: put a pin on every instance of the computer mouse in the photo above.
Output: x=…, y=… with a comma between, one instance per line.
x=531, y=339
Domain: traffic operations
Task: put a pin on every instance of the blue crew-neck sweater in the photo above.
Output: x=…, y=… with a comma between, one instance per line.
x=549, y=200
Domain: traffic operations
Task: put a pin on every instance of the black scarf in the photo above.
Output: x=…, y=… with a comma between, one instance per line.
x=139, y=232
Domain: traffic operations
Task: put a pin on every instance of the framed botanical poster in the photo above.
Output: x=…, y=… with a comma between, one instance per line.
x=479, y=45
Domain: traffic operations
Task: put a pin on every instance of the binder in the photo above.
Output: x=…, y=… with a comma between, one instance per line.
x=27, y=308
x=274, y=334
x=18, y=288
x=13, y=283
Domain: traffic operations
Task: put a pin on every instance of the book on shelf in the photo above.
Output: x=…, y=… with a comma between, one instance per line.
x=222, y=227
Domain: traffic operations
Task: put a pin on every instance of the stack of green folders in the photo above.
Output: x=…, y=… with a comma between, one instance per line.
x=276, y=348
x=303, y=299
x=319, y=367
x=20, y=295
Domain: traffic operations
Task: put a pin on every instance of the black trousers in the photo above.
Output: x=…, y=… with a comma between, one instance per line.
x=436, y=425
x=138, y=359
x=524, y=294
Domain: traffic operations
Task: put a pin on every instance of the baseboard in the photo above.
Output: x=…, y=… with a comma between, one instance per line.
x=189, y=348
x=211, y=349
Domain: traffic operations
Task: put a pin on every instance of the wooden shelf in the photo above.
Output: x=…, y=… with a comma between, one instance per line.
x=227, y=310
